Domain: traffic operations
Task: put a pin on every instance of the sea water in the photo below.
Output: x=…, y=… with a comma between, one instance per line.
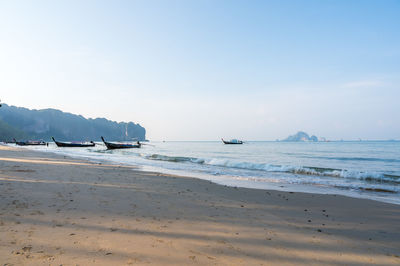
x=362, y=169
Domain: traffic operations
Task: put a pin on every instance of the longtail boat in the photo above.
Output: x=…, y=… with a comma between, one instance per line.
x=30, y=143
x=118, y=145
x=73, y=144
x=232, y=141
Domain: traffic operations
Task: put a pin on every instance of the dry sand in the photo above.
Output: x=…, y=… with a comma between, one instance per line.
x=56, y=210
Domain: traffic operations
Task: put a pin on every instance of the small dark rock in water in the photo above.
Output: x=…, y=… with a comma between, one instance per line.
x=309, y=221
x=305, y=210
x=369, y=238
x=319, y=230
x=323, y=210
x=241, y=206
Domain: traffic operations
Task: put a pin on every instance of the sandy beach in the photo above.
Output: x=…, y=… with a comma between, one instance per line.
x=57, y=210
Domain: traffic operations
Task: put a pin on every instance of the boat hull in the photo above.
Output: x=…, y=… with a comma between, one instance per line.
x=113, y=146
x=22, y=143
x=75, y=145
x=230, y=142
x=29, y=143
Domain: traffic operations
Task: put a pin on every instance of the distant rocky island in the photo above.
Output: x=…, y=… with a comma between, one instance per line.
x=22, y=123
x=303, y=137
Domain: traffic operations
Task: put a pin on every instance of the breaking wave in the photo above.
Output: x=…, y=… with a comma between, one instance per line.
x=368, y=159
x=300, y=170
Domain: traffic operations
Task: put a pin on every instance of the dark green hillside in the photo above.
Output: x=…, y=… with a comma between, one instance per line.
x=43, y=124
x=7, y=132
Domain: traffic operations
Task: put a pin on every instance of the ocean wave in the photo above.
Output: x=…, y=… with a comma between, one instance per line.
x=176, y=159
x=367, y=159
x=300, y=170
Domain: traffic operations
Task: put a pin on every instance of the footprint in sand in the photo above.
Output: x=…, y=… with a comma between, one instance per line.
x=133, y=261
x=36, y=212
x=27, y=249
x=47, y=257
x=56, y=223
x=19, y=205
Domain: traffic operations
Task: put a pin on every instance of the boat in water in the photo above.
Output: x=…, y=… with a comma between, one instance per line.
x=232, y=141
x=73, y=144
x=119, y=145
x=30, y=142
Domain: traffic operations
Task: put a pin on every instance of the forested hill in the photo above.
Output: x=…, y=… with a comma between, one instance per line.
x=23, y=123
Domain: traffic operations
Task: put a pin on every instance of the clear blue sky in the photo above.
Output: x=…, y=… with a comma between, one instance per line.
x=201, y=70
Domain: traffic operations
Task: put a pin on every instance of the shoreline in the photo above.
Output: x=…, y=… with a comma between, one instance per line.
x=99, y=213
x=385, y=195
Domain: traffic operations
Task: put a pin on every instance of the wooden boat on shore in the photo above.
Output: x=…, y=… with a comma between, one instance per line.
x=30, y=143
x=118, y=145
x=73, y=144
x=232, y=141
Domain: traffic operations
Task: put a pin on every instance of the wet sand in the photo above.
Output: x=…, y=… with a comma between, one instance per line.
x=57, y=210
